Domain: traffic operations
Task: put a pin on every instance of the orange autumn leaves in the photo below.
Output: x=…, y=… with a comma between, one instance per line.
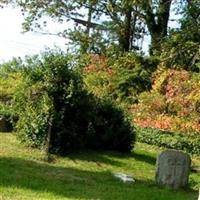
x=172, y=104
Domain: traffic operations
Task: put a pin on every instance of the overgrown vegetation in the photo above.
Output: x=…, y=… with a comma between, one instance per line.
x=172, y=104
x=53, y=87
x=159, y=91
x=10, y=78
x=52, y=100
x=119, y=77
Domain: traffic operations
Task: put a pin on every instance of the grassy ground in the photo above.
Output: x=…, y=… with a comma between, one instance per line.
x=88, y=175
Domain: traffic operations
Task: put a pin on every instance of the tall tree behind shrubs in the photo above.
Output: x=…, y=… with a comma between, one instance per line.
x=52, y=87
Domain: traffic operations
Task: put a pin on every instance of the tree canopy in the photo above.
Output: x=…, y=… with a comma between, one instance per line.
x=95, y=25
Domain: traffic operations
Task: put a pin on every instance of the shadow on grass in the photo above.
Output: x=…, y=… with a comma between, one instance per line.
x=144, y=158
x=64, y=182
x=77, y=184
x=97, y=157
x=110, y=158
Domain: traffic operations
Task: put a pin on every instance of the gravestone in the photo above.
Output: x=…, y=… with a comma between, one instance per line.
x=173, y=168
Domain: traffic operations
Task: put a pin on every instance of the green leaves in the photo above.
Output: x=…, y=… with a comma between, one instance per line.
x=119, y=77
x=187, y=142
x=52, y=88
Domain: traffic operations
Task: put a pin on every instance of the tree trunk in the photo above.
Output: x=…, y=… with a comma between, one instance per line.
x=157, y=24
x=126, y=45
x=88, y=27
x=127, y=33
x=48, y=139
x=156, y=39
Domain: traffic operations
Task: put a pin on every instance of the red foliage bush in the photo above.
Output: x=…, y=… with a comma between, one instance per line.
x=172, y=104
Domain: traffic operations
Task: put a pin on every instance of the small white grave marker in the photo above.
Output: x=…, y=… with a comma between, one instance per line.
x=124, y=177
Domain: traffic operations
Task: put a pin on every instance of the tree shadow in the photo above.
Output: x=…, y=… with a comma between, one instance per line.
x=71, y=182
x=64, y=182
x=144, y=158
x=98, y=157
x=110, y=157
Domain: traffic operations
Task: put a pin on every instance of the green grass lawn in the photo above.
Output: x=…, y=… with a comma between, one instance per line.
x=86, y=175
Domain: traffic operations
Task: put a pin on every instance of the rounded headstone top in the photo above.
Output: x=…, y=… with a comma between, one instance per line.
x=173, y=154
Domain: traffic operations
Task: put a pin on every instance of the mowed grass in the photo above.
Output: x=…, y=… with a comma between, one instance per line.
x=85, y=175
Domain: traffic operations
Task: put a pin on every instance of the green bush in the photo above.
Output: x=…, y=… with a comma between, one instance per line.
x=120, y=77
x=10, y=78
x=110, y=129
x=53, y=88
x=186, y=142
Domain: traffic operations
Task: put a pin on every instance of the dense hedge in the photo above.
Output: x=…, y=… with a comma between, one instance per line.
x=187, y=142
x=53, y=89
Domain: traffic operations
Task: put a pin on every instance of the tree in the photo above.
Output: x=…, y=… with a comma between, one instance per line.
x=109, y=22
x=100, y=23
x=156, y=16
x=123, y=22
x=191, y=20
x=181, y=48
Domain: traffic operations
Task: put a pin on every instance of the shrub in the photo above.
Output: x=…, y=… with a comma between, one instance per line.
x=187, y=142
x=120, y=77
x=10, y=78
x=172, y=104
x=53, y=88
x=110, y=129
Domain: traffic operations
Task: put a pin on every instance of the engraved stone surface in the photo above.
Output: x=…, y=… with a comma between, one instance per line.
x=173, y=168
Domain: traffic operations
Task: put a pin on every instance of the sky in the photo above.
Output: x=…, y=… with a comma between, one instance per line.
x=13, y=43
